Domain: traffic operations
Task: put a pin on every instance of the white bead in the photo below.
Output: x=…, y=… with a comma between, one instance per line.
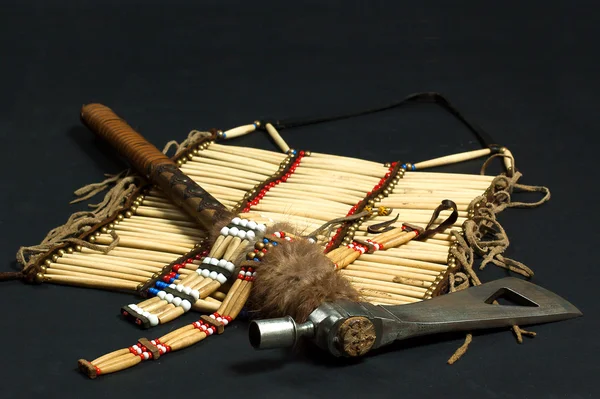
x=214, y=261
x=206, y=260
x=145, y=313
x=244, y=222
x=179, y=287
x=236, y=220
x=172, y=286
x=225, y=321
x=222, y=263
x=254, y=274
x=241, y=234
x=221, y=278
x=277, y=234
x=234, y=231
x=161, y=294
x=153, y=320
x=195, y=294
x=209, y=331
x=213, y=275
x=261, y=227
x=252, y=224
x=199, y=271
x=230, y=266
x=187, y=290
x=177, y=301
x=311, y=240
x=248, y=274
x=186, y=305
x=205, y=272
x=132, y=306
x=250, y=235
x=225, y=231
x=169, y=298
x=212, y=316
x=146, y=355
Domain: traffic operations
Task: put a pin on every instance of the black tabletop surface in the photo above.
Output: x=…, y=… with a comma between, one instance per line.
x=526, y=72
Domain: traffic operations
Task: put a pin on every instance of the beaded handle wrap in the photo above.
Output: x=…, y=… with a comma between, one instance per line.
x=154, y=165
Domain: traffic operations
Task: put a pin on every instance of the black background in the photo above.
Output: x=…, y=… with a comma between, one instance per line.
x=525, y=71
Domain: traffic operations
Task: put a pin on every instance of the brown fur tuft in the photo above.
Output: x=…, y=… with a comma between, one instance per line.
x=219, y=224
x=295, y=278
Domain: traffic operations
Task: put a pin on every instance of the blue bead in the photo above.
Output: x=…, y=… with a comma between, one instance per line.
x=403, y=166
x=177, y=276
x=224, y=136
x=266, y=240
x=414, y=167
x=256, y=260
x=153, y=291
x=171, y=281
x=275, y=243
x=161, y=284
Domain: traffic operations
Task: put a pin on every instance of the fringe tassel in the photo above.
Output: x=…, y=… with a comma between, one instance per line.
x=123, y=184
x=485, y=237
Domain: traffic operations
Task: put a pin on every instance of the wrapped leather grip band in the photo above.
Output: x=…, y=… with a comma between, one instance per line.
x=154, y=165
x=136, y=149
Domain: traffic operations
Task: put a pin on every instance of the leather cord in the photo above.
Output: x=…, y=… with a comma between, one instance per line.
x=483, y=137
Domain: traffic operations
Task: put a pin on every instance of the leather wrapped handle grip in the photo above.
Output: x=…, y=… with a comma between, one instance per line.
x=133, y=146
x=154, y=165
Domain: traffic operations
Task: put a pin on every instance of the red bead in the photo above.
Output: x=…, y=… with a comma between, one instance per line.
x=98, y=372
x=264, y=250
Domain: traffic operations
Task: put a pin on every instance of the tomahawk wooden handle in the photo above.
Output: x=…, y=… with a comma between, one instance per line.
x=136, y=149
x=154, y=165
